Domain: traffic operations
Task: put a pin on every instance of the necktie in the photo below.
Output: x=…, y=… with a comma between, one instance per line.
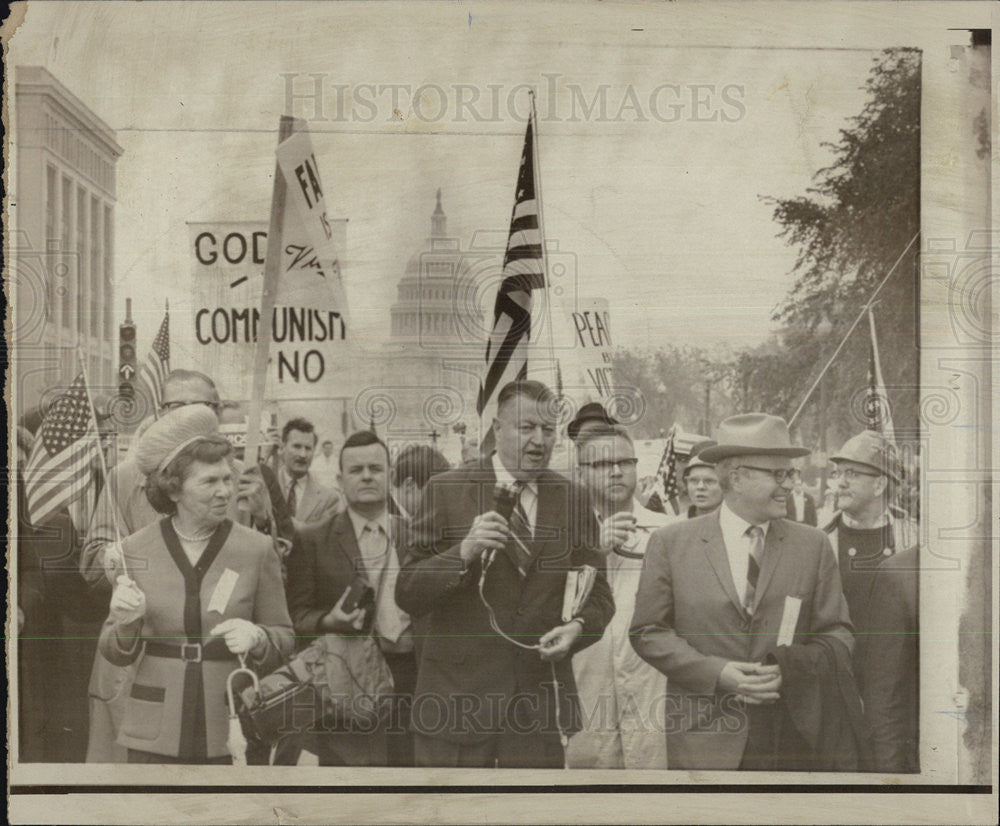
x=292, y=503
x=756, y=534
x=520, y=527
x=390, y=621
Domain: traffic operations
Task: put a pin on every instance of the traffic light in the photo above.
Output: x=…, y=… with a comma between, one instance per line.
x=126, y=353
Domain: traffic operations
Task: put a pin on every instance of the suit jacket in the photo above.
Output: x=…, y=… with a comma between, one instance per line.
x=315, y=502
x=689, y=622
x=889, y=664
x=462, y=659
x=162, y=714
x=808, y=510
x=324, y=561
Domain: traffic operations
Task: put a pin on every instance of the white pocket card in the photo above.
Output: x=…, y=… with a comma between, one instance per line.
x=223, y=591
x=789, y=619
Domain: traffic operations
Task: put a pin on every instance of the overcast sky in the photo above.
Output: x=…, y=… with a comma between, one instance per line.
x=653, y=195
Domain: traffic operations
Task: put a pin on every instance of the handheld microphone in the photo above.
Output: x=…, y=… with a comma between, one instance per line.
x=504, y=500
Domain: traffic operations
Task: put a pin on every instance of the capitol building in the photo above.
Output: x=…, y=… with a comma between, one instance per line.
x=422, y=383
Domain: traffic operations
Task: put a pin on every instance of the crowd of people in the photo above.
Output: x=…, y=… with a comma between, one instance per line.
x=527, y=618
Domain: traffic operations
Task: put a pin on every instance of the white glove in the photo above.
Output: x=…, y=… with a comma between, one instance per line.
x=114, y=558
x=241, y=636
x=128, y=602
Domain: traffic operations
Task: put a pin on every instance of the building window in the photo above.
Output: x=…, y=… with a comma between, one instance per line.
x=96, y=293
x=83, y=282
x=69, y=269
x=51, y=238
x=109, y=293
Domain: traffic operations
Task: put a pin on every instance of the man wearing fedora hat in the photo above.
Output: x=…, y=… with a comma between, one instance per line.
x=715, y=592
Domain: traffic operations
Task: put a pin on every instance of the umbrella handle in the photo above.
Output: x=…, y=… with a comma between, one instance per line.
x=229, y=683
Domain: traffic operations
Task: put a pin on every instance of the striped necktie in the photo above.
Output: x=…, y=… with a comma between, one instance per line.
x=756, y=535
x=520, y=527
x=292, y=500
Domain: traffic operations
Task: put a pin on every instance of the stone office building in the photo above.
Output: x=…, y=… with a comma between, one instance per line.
x=62, y=249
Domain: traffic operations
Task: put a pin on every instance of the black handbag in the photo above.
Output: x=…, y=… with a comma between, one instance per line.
x=335, y=678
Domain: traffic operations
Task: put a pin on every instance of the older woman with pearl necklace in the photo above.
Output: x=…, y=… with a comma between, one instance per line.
x=199, y=594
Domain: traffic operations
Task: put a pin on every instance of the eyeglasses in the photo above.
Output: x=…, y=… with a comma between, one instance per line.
x=780, y=475
x=174, y=405
x=850, y=474
x=608, y=464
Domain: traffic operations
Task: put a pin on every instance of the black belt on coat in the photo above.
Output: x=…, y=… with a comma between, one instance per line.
x=191, y=652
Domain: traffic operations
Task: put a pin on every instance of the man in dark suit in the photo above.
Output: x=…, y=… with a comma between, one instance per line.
x=491, y=589
x=888, y=662
x=715, y=593
x=326, y=559
x=801, y=506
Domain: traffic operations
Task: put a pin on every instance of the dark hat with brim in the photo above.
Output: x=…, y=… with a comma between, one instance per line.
x=752, y=434
x=590, y=412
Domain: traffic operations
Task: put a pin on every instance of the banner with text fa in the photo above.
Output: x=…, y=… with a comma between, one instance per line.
x=583, y=347
x=311, y=334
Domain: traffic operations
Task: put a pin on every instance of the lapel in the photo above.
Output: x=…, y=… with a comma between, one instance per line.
x=774, y=548
x=548, y=513
x=342, y=531
x=715, y=550
x=306, y=495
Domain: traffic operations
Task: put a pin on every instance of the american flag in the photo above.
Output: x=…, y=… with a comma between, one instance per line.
x=157, y=365
x=58, y=471
x=523, y=273
x=665, y=486
x=878, y=414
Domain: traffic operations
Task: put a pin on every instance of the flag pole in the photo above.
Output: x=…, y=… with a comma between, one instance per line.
x=100, y=453
x=857, y=321
x=536, y=157
x=272, y=266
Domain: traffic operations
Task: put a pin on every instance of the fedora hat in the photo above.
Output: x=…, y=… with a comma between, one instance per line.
x=871, y=449
x=590, y=412
x=752, y=434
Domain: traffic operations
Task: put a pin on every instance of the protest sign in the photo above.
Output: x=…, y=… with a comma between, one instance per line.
x=310, y=328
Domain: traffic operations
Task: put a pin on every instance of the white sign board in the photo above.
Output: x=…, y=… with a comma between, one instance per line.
x=310, y=333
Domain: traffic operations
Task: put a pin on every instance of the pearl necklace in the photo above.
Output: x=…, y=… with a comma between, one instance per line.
x=190, y=538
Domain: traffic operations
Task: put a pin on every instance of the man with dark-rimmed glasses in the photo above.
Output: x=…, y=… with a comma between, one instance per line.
x=621, y=696
x=718, y=593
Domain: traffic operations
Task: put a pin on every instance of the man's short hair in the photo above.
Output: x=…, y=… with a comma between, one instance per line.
x=328, y=442
x=600, y=430
x=723, y=468
x=534, y=390
x=419, y=463
x=362, y=438
x=299, y=424
x=179, y=376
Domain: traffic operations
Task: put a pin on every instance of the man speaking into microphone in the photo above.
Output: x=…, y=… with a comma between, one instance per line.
x=491, y=586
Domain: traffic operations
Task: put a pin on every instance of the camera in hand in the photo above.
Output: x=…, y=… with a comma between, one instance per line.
x=359, y=595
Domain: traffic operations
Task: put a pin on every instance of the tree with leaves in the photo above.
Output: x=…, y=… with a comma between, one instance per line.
x=858, y=222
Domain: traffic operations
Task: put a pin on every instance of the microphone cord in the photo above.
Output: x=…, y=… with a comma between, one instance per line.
x=486, y=562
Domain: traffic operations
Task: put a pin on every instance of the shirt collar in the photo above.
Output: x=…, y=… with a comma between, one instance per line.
x=504, y=476
x=285, y=480
x=883, y=520
x=733, y=525
x=359, y=521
